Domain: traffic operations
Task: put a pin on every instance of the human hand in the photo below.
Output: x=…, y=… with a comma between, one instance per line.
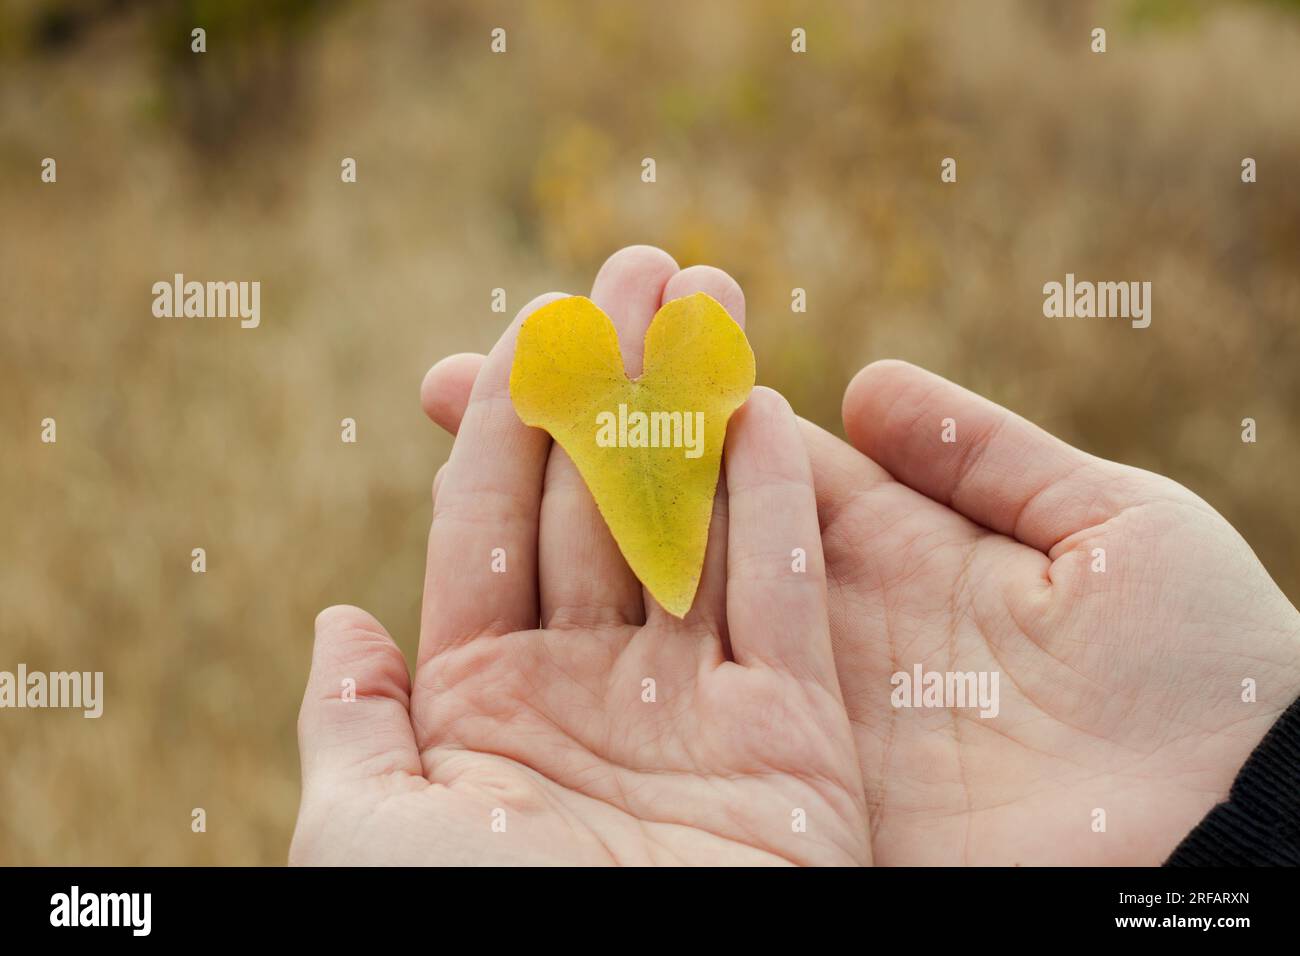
x=1120, y=690
x=520, y=744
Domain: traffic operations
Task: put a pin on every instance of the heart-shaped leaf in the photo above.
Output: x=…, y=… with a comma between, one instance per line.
x=649, y=449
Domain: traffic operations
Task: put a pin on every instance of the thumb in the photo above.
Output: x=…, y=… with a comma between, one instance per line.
x=355, y=720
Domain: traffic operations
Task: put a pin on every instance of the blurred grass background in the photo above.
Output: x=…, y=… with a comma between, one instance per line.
x=523, y=171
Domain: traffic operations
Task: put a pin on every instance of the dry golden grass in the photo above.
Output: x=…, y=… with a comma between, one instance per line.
x=522, y=171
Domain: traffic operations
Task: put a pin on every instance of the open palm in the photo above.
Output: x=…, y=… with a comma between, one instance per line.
x=1121, y=613
x=614, y=733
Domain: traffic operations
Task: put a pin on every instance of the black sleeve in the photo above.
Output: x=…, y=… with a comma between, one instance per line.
x=1259, y=823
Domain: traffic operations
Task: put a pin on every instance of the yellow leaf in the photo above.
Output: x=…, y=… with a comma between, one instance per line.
x=650, y=449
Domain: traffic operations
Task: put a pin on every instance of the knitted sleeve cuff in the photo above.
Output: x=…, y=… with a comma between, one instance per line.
x=1259, y=823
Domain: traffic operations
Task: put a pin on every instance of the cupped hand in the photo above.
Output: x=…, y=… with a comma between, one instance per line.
x=1127, y=621
x=557, y=715
x=1124, y=616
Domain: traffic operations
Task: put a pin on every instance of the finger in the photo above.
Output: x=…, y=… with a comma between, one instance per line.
x=584, y=579
x=842, y=475
x=486, y=514
x=978, y=458
x=710, y=606
x=355, y=721
x=840, y=472
x=444, y=393
x=711, y=280
x=629, y=288
x=776, y=580
x=437, y=481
